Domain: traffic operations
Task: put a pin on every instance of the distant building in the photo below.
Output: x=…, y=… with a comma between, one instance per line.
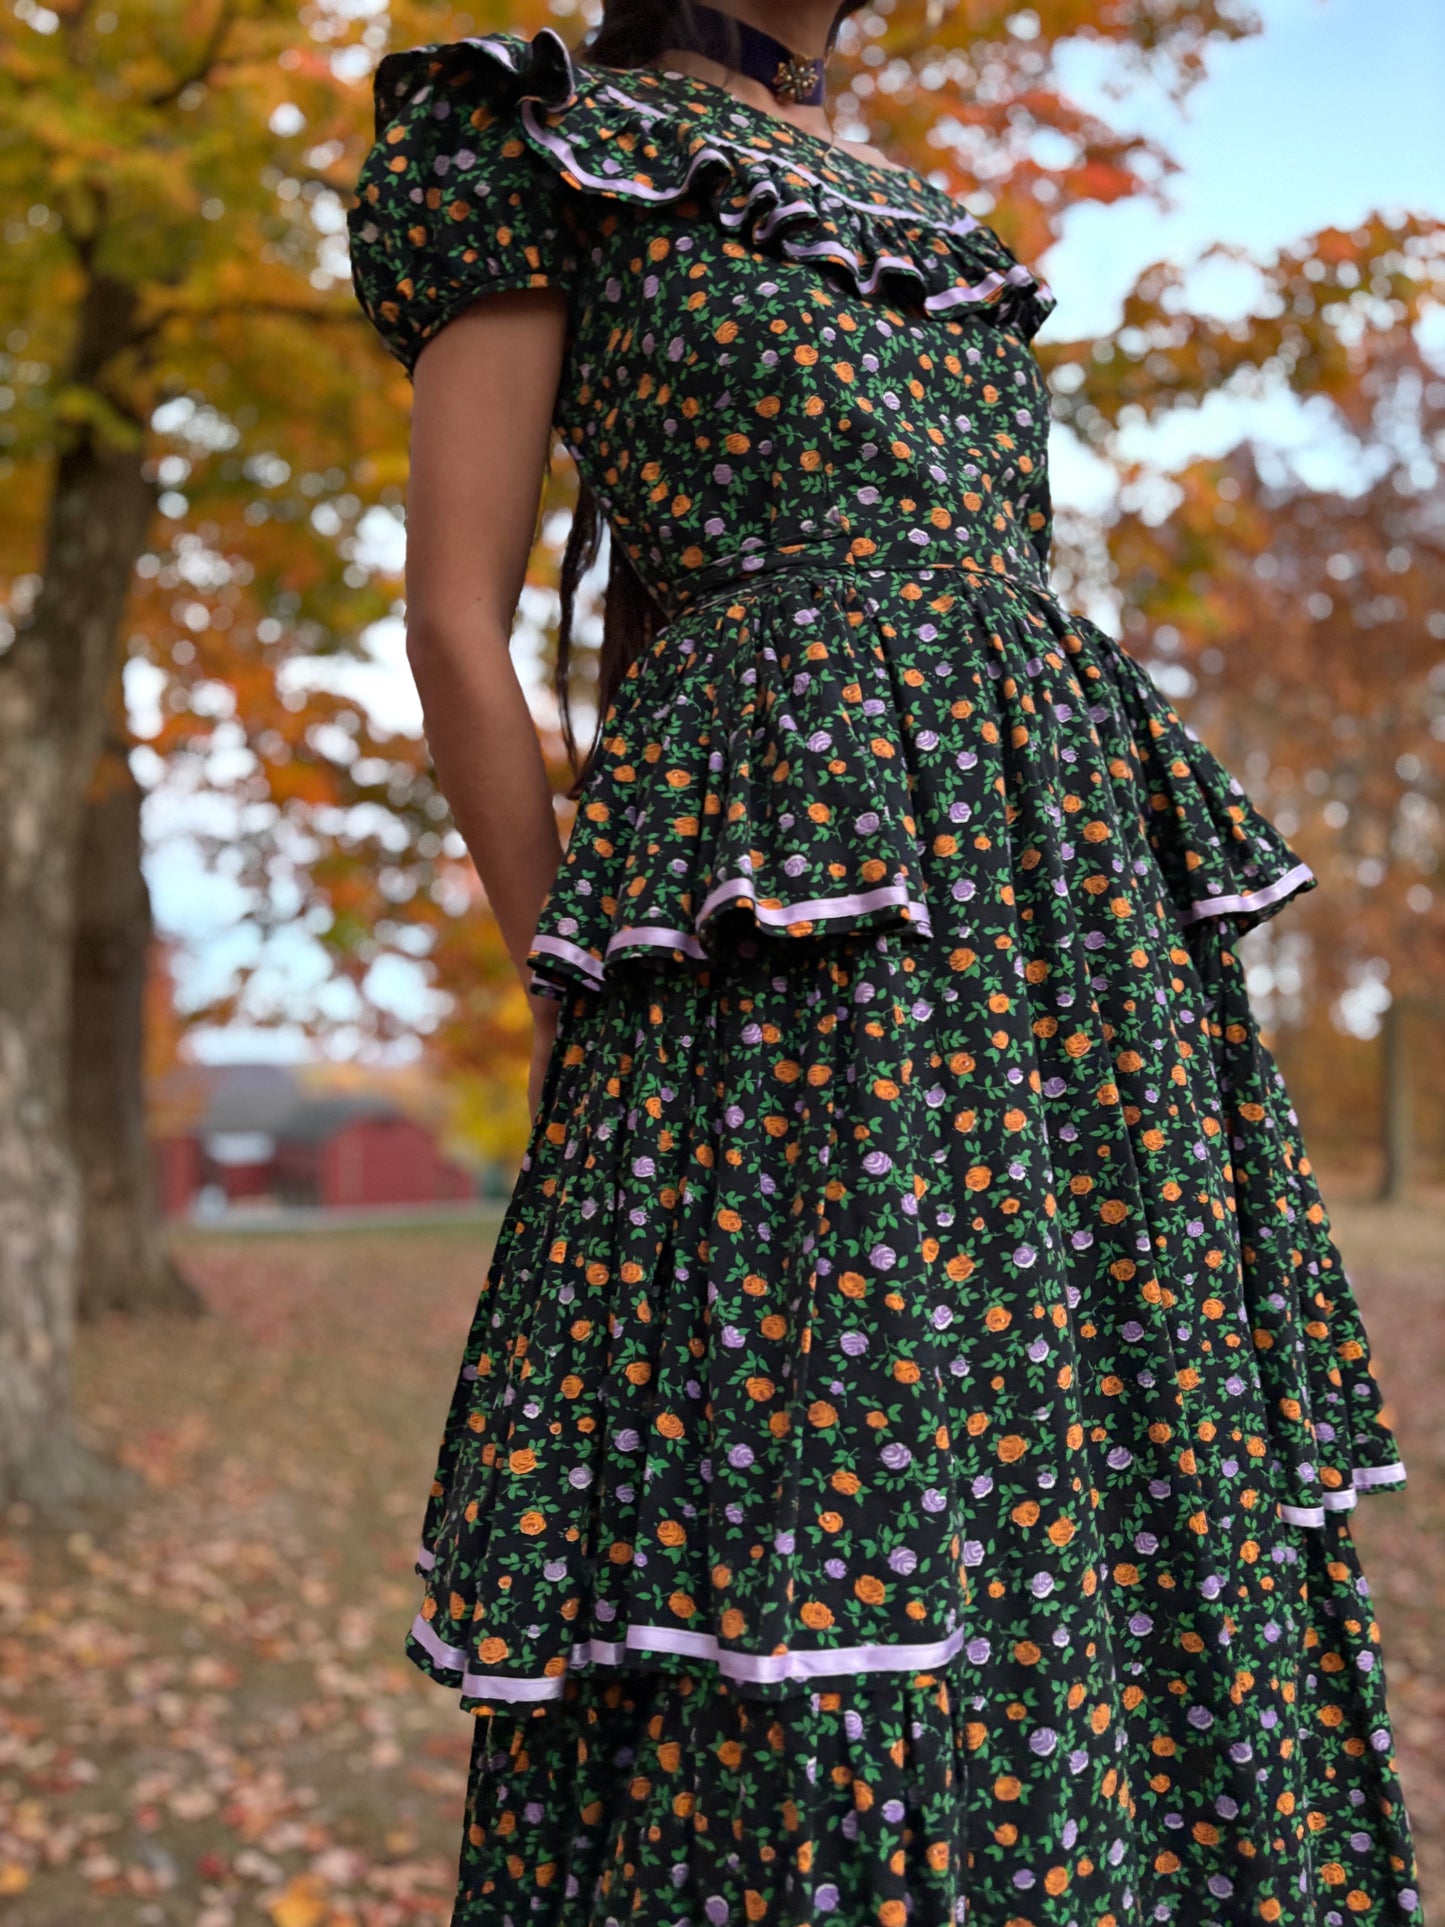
x=256, y=1135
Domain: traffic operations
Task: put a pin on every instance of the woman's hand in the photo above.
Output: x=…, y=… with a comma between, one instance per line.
x=544, y=1036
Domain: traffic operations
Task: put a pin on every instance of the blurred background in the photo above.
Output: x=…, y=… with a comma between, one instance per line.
x=262, y=1052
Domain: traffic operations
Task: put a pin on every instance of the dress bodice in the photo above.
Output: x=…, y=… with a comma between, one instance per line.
x=771, y=341
x=796, y=411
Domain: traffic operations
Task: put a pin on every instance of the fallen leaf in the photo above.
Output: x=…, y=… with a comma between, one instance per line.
x=301, y=1904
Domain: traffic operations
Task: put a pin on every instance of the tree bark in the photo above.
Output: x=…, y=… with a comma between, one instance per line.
x=1399, y=1117
x=124, y=1264
x=53, y=682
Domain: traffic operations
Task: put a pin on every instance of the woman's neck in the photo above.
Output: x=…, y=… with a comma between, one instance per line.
x=803, y=26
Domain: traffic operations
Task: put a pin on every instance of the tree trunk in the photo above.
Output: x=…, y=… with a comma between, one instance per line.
x=124, y=1264
x=53, y=682
x=1399, y=1116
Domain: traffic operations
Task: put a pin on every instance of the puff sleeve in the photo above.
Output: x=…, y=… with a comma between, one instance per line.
x=451, y=201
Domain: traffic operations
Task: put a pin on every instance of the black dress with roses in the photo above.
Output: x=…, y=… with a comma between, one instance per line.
x=900, y=1472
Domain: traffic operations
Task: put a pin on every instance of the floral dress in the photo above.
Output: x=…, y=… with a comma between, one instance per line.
x=901, y=1468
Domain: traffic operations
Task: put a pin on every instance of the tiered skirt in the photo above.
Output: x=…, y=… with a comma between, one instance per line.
x=900, y=1470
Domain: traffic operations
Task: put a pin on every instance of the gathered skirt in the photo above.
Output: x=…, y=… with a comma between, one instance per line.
x=900, y=1471
x=841, y=1558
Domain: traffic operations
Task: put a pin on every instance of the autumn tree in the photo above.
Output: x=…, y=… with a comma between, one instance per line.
x=196, y=409
x=1305, y=626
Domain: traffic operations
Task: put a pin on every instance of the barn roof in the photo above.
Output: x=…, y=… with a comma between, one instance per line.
x=235, y=1101
x=249, y=1097
x=315, y=1119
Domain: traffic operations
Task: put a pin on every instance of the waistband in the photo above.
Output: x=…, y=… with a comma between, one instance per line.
x=858, y=555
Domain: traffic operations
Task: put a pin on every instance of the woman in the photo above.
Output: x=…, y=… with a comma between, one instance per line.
x=901, y=1466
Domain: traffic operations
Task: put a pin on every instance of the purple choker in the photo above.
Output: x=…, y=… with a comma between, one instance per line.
x=788, y=76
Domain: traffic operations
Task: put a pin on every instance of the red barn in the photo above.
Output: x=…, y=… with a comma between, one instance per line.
x=338, y=1151
x=260, y=1139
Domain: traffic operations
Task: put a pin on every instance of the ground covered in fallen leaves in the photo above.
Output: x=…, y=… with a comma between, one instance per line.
x=205, y=1718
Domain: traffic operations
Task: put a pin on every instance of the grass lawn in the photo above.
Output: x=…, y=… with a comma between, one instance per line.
x=205, y=1718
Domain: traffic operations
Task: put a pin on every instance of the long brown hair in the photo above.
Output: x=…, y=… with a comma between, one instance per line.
x=631, y=33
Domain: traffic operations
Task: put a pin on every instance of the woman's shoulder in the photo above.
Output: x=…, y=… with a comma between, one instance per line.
x=499, y=70
x=452, y=201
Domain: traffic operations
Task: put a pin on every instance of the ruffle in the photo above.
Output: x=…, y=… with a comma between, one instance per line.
x=656, y=139
x=751, y=767
x=640, y=1387
x=657, y=1797
x=856, y=1804
x=761, y=761
x=1328, y=1434
x=1227, y=869
x=512, y=70
x=1219, y=855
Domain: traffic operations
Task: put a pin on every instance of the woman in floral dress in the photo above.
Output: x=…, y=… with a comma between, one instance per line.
x=901, y=1467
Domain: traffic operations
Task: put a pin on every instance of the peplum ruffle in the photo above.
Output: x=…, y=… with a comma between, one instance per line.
x=762, y=761
x=654, y=139
x=1220, y=857
x=753, y=767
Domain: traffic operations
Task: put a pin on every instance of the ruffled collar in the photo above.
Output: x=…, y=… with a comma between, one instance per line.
x=658, y=138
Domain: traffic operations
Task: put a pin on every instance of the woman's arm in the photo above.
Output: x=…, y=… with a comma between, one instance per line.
x=483, y=395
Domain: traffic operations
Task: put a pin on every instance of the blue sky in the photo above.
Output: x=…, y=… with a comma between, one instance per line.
x=1336, y=110
x=1332, y=113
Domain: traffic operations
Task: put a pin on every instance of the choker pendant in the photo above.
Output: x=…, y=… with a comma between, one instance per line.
x=798, y=80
